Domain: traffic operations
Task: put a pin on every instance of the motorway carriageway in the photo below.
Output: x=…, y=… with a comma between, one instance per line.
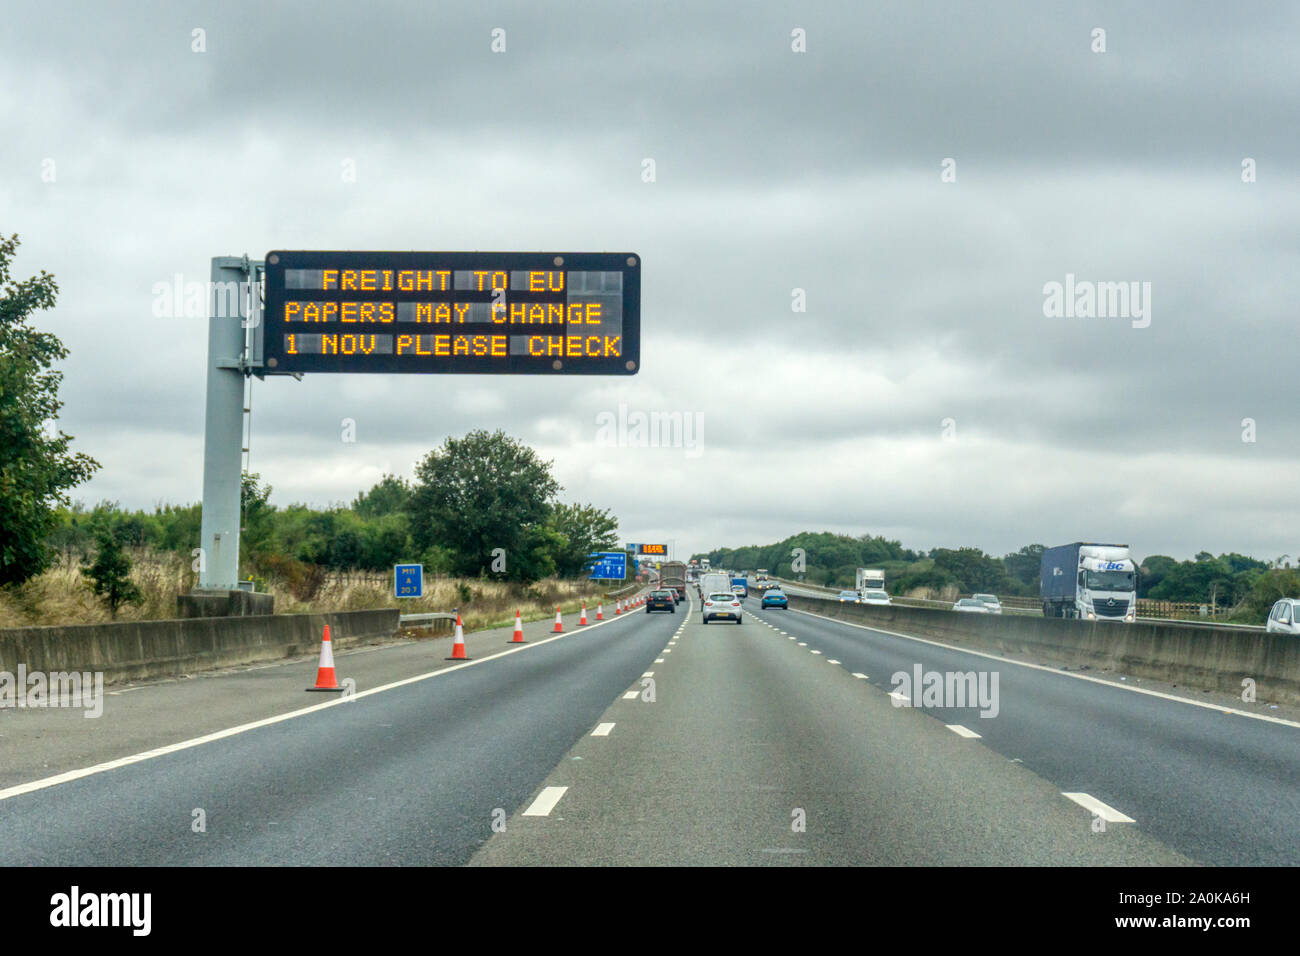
x=754, y=750
x=1216, y=783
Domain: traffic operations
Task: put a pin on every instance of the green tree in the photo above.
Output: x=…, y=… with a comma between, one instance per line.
x=479, y=493
x=1025, y=567
x=582, y=530
x=1153, y=571
x=972, y=568
x=1206, y=579
x=71, y=536
x=109, y=575
x=257, y=516
x=1267, y=588
x=36, y=466
x=391, y=495
x=386, y=542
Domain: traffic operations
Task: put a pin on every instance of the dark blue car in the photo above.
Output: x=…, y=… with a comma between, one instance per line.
x=775, y=598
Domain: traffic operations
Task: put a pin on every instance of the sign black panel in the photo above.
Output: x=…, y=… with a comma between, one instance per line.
x=493, y=313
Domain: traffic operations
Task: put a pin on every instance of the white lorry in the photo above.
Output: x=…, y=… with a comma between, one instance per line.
x=1094, y=582
x=869, y=579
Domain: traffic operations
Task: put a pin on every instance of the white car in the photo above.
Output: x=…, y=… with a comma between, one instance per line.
x=1285, y=617
x=990, y=601
x=971, y=606
x=875, y=596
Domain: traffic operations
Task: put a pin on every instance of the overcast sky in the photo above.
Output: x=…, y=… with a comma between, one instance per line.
x=922, y=395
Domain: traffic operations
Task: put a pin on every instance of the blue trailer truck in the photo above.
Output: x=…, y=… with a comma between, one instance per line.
x=1093, y=582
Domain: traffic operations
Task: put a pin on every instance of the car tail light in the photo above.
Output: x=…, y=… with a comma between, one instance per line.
x=735, y=604
x=708, y=604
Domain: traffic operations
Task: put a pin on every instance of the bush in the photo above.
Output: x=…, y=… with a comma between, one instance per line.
x=301, y=579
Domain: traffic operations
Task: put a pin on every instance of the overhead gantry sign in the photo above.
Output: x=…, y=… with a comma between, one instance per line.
x=439, y=312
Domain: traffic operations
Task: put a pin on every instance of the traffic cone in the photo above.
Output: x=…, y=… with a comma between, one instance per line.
x=582, y=621
x=600, y=612
x=458, y=646
x=519, y=631
x=618, y=607
x=325, y=679
x=559, y=625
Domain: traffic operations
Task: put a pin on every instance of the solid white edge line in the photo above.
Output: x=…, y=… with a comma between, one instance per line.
x=1060, y=673
x=545, y=802
x=71, y=775
x=1097, y=808
x=961, y=731
x=602, y=730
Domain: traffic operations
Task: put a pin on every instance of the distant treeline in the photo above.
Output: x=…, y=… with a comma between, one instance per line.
x=482, y=505
x=1244, y=586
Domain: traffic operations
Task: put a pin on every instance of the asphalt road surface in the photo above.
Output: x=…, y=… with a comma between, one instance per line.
x=646, y=740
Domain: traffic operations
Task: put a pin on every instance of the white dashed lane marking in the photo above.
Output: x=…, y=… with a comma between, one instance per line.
x=602, y=730
x=961, y=731
x=1097, y=808
x=545, y=802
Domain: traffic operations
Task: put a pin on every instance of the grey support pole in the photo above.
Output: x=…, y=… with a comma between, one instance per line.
x=223, y=430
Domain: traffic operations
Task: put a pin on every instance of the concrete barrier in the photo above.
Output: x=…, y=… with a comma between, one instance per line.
x=1204, y=658
x=143, y=649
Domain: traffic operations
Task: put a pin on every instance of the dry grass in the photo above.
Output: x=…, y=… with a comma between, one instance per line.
x=60, y=596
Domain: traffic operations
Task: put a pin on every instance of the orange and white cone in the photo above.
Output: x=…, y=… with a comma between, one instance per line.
x=325, y=679
x=582, y=621
x=618, y=607
x=458, y=646
x=519, y=631
x=600, y=612
x=559, y=625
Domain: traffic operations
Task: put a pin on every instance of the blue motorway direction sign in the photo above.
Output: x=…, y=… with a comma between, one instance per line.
x=408, y=580
x=609, y=565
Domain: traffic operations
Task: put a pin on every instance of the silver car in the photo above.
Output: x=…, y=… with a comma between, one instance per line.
x=1285, y=617
x=971, y=606
x=721, y=606
x=875, y=596
x=990, y=601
